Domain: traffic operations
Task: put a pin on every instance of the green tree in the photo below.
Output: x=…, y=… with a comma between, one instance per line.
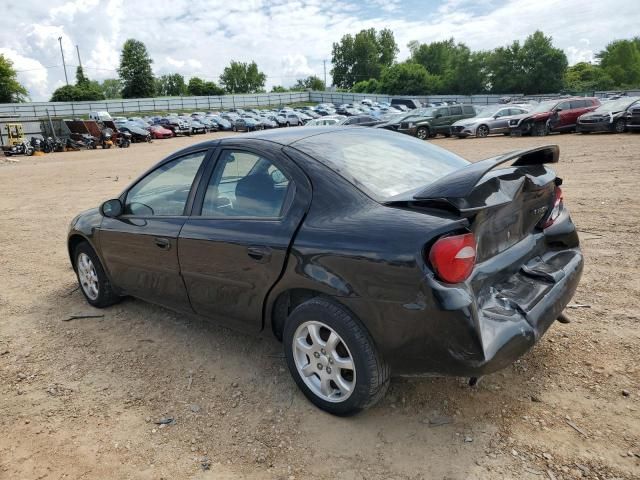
x=362, y=56
x=278, y=89
x=586, y=77
x=81, y=78
x=135, y=70
x=199, y=87
x=367, y=86
x=312, y=82
x=621, y=61
x=241, y=77
x=171, y=85
x=457, y=69
x=505, y=72
x=10, y=89
x=83, y=90
x=112, y=88
x=407, y=79
x=543, y=65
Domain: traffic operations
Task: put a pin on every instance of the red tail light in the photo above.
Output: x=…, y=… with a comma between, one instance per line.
x=453, y=257
x=556, y=210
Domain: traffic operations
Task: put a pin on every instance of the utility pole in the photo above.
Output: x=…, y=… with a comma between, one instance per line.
x=324, y=65
x=79, y=61
x=64, y=65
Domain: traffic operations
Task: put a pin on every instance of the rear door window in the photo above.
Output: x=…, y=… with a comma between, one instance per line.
x=578, y=104
x=456, y=110
x=469, y=110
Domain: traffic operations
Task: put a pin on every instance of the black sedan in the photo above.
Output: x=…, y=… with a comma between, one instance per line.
x=366, y=252
x=611, y=116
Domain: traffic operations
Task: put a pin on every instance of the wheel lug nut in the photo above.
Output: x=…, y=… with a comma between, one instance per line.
x=324, y=352
x=328, y=369
x=319, y=366
x=316, y=354
x=331, y=361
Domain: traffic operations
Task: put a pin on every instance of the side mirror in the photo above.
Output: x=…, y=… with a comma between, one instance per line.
x=112, y=208
x=558, y=110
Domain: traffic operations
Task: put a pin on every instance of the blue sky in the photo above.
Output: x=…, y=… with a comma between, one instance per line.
x=288, y=40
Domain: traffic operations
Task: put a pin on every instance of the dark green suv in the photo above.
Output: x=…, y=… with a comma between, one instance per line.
x=431, y=121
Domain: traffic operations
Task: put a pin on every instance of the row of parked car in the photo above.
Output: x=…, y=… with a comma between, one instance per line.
x=579, y=114
x=572, y=114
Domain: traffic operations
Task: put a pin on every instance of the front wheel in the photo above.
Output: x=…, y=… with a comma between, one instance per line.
x=333, y=359
x=422, y=133
x=94, y=283
x=482, y=131
x=620, y=126
x=540, y=129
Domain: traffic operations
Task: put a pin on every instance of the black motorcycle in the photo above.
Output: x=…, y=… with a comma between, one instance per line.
x=124, y=140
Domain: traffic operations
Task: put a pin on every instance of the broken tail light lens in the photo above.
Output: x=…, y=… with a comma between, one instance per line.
x=556, y=210
x=454, y=257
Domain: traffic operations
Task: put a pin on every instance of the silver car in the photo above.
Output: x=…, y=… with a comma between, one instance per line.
x=491, y=119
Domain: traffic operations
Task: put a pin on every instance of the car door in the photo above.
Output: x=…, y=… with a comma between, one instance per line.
x=561, y=117
x=442, y=120
x=233, y=249
x=500, y=121
x=140, y=246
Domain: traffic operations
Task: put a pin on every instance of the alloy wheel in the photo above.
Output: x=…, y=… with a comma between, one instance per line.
x=88, y=276
x=483, y=131
x=324, y=361
x=422, y=133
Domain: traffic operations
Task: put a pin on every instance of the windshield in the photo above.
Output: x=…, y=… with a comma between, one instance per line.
x=616, y=105
x=382, y=164
x=489, y=111
x=544, y=107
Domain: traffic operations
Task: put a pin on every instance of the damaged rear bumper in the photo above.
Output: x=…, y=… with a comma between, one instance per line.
x=491, y=320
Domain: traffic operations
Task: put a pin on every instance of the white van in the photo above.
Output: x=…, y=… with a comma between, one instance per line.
x=100, y=116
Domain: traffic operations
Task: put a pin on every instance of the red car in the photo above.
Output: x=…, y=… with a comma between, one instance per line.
x=158, y=131
x=552, y=116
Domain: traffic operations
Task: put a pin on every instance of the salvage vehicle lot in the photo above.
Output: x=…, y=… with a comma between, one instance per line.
x=81, y=398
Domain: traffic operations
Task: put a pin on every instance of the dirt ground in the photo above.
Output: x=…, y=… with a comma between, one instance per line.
x=79, y=399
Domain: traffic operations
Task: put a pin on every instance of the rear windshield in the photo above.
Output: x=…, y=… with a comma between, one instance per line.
x=382, y=164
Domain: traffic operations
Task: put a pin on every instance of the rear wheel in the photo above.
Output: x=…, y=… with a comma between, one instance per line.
x=422, y=133
x=333, y=359
x=94, y=283
x=482, y=131
x=619, y=126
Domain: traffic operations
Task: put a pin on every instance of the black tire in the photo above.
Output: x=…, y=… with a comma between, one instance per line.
x=620, y=126
x=482, y=131
x=106, y=295
x=446, y=135
x=423, y=133
x=506, y=134
x=372, y=374
x=539, y=129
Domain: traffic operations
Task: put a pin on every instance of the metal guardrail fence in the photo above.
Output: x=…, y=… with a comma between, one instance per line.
x=142, y=105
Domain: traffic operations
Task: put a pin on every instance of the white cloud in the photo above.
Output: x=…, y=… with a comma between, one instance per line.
x=31, y=73
x=286, y=38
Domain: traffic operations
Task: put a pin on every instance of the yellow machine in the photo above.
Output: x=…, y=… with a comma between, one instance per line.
x=15, y=134
x=16, y=144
